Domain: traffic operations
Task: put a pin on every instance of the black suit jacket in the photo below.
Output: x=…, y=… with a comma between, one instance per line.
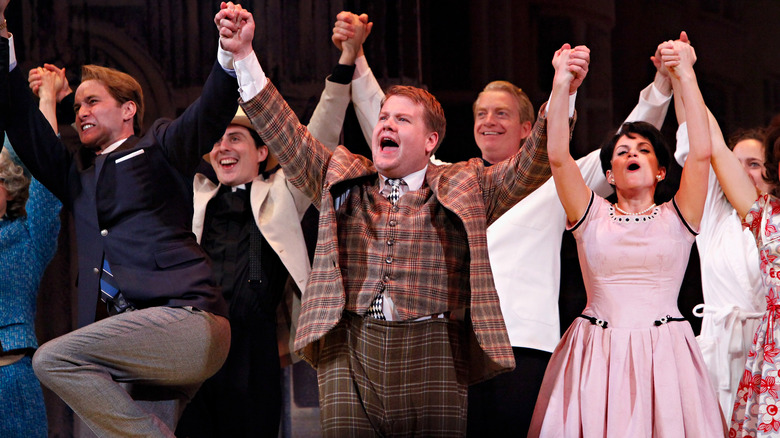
x=135, y=205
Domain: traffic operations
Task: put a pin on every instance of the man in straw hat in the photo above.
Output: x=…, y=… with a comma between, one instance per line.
x=248, y=218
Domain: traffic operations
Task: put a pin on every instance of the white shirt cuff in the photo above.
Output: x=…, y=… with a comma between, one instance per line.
x=572, y=100
x=656, y=97
x=361, y=67
x=11, y=52
x=225, y=60
x=251, y=77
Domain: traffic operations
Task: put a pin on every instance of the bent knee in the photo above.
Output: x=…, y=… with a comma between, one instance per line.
x=44, y=361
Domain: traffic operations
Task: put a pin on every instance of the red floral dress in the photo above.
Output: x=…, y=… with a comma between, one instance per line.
x=757, y=406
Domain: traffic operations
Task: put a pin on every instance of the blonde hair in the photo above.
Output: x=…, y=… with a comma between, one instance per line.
x=16, y=183
x=524, y=106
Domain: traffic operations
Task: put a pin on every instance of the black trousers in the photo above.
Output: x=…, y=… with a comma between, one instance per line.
x=244, y=398
x=504, y=405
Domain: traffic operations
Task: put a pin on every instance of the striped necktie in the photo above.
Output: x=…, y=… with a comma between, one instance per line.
x=108, y=286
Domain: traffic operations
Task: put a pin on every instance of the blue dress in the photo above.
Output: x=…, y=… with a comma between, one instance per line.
x=27, y=244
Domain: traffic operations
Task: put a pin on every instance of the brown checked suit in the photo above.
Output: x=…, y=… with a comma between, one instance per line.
x=476, y=195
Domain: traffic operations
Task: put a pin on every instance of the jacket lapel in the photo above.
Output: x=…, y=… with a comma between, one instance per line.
x=203, y=190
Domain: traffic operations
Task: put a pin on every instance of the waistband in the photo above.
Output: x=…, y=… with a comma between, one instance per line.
x=604, y=324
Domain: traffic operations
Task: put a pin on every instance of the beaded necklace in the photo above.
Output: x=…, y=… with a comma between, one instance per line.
x=639, y=213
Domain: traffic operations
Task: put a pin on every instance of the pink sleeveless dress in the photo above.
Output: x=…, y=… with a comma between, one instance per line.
x=631, y=370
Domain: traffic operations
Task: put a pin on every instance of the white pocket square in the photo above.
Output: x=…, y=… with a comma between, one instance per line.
x=129, y=156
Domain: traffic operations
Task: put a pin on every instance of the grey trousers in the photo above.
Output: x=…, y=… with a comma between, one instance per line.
x=172, y=350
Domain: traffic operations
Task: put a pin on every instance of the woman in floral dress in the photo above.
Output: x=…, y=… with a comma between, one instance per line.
x=757, y=406
x=630, y=365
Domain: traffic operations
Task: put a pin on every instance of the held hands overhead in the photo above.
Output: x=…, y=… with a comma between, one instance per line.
x=236, y=28
x=578, y=61
x=571, y=65
x=678, y=56
x=54, y=78
x=564, y=74
x=662, y=80
x=350, y=32
x=47, y=83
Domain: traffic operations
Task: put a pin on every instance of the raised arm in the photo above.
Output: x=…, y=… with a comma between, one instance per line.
x=303, y=158
x=28, y=130
x=736, y=184
x=572, y=190
x=47, y=84
x=679, y=57
x=367, y=95
x=651, y=107
x=679, y=108
x=654, y=99
x=193, y=134
x=328, y=118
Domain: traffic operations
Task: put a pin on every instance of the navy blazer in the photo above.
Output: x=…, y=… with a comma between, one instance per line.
x=135, y=204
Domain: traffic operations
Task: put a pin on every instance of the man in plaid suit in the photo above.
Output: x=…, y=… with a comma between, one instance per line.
x=416, y=261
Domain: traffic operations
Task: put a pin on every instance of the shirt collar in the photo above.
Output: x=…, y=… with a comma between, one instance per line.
x=413, y=181
x=112, y=147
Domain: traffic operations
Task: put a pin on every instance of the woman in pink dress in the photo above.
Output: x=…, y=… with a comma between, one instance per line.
x=630, y=366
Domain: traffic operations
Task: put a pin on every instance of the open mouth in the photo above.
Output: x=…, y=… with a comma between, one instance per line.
x=633, y=166
x=388, y=143
x=86, y=126
x=491, y=133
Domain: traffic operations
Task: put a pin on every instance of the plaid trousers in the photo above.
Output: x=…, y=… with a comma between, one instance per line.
x=393, y=378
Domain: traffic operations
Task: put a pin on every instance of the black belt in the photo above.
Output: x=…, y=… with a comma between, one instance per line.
x=595, y=321
x=603, y=324
x=666, y=319
x=118, y=304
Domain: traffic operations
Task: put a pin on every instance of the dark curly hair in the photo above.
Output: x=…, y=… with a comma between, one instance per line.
x=631, y=130
x=661, y=148
x=772, y=159
x=758, y=134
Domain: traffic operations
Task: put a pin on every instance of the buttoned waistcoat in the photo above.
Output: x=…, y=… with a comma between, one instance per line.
x=475, y=194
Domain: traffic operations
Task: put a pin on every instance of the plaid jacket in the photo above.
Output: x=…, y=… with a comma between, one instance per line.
x=476, y=194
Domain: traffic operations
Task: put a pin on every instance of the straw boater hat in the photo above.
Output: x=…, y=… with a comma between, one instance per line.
x=241, y=119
